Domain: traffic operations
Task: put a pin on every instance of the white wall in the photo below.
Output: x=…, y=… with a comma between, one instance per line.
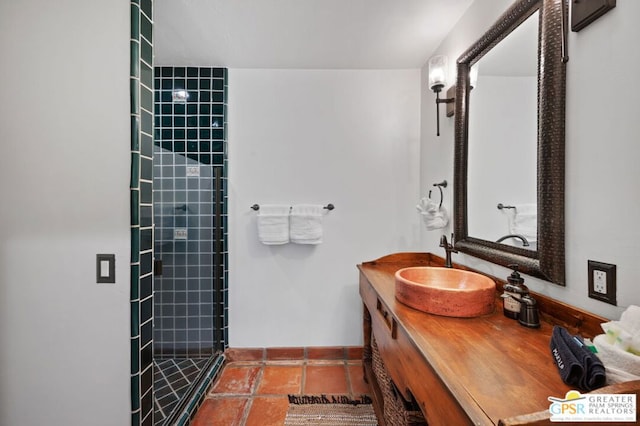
x=345, y=137
x=602, y=198
x=64, y=172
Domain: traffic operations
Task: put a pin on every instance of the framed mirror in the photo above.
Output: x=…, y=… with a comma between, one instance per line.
x=513, y=155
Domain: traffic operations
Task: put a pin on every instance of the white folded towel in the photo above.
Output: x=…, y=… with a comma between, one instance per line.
x=620, y=366
x=273, y=224
x=524, y=221
x=433, y=214
x=619, y=347
x=306, y=224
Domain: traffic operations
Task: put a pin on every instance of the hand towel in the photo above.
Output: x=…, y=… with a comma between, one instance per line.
x=306, y=224
x=273, y=224
x=433, y=214
x=621, y=366
x=524, y=221
x=625, y=333
x=577, y=365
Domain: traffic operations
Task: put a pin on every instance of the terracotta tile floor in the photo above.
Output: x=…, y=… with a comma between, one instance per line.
x=254, y=392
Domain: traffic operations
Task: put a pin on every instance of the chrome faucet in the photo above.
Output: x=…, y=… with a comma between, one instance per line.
x=525, y=242
x=448, y=248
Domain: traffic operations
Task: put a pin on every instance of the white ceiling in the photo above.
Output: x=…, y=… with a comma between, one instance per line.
x=311, y=34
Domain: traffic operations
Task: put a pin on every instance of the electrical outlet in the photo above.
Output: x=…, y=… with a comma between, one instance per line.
x=599, y=281
x=602, y=281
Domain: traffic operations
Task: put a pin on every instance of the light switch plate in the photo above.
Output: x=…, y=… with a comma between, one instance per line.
x=105, y=268
x=602, y=281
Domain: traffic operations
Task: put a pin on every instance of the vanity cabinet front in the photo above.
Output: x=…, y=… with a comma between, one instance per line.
x=409, y=373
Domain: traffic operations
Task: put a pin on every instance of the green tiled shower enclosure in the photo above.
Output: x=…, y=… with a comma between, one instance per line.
x=202, y=153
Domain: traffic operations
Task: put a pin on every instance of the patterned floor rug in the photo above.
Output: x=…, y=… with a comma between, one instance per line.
x=330, y=415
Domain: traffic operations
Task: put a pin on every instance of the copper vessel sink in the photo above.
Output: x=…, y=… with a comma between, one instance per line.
x=446, y=291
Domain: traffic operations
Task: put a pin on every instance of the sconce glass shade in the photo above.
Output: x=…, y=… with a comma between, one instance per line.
x=437, y=72
x=473, y=76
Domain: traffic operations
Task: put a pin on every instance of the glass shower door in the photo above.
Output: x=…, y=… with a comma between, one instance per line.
x=185, y=278
x=189, y=161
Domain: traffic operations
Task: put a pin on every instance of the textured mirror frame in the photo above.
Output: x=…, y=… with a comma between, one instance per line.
x=548, y=262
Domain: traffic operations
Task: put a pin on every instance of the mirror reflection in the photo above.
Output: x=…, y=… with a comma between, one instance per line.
x=502, y=185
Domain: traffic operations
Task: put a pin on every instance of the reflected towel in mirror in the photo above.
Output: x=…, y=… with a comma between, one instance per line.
x=524, y=221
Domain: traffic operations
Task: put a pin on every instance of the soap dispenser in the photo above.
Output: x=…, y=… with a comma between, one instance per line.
x=529, y=314
x=515, y=288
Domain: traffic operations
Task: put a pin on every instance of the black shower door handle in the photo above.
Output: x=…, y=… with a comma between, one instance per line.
x=157, y=267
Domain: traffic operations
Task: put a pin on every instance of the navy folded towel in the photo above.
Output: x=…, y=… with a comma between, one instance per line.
x=577, y=365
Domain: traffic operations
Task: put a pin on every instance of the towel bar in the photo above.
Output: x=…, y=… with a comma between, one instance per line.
x=329, y=207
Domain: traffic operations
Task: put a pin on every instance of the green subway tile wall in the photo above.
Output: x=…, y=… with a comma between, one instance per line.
x=141, y=77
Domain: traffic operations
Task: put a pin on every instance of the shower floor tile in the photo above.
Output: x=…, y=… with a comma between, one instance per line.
x=171, y=380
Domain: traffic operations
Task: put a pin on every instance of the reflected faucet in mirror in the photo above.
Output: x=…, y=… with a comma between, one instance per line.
x=448, y=248
x=522, y=238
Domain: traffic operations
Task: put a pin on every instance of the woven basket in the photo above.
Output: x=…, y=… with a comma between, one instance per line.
x=397, y=411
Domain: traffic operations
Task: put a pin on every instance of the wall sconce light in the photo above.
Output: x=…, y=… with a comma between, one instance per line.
x=437, y=80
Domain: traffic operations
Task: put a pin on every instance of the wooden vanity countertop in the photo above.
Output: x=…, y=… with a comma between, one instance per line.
x=493, y=366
